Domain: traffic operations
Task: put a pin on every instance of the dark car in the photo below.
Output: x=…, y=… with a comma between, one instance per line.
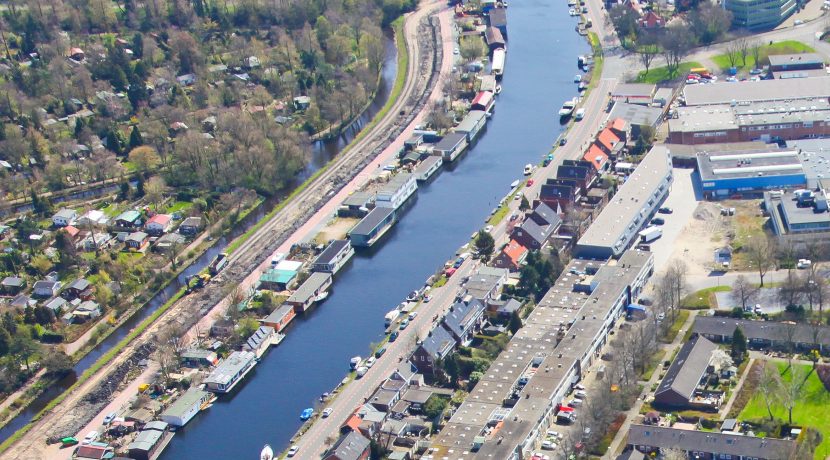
x=380, y=352
x=658, y=221
x=563, y=141
x=665, y=210
x=393, y=336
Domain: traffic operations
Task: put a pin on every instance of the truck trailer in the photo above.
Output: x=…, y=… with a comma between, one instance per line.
x=650, y=234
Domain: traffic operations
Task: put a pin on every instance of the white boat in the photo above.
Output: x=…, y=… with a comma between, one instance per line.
x=321, y=296
x=577, y=78
x=355, y=362
x=528, y=169
x=498, y=89
x=514, y=184
x=568, y=108
x=267, y=453
x=573, y=12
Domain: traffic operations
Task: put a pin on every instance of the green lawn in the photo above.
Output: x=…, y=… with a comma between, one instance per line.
x=783, y=47
x=660, y=74
x=811, y=411
x=703, y=299
x=671, y=332
x=178, y=206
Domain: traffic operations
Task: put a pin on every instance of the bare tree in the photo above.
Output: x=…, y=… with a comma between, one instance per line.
x=792, y=390
x=733, y=51
x=760, y=253
x=647, y=49
x=742, y=45
x=755, y=50
x=673, y=454
x=792, y=290
x=744, y=291
x=768, y=385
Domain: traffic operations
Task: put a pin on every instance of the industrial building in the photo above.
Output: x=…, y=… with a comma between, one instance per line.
x=759, y=14
x=750, y=172
x=815, y=158
x=757, y=91
x=636, y=201
x=799, y=215
x=748, y=121
x=517, y=399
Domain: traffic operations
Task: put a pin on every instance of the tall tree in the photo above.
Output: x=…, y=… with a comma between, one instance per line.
x=744, y=292
x=760, y=252
x=485, y=244
x=739, y=345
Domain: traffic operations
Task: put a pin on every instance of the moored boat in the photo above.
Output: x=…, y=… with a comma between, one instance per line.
x=267, y=453
x=306, y=414
x=567, y=108
x=355, y=362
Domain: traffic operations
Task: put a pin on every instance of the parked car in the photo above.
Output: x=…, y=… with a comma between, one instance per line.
x=665, y=210
x=327, y=411
x=293, y=451
x=404, y=323
x=371, y=361
x=413, y=315
x=108, y=418
x=393, y=336
x=380, y=352
x=658, y=221
x=804, y=263
x=563, y=141
x=548, y=445
x=91, y=437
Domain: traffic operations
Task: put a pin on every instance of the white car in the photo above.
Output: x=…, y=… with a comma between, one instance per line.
x=91, y=437
x=579, y=386
x=413, y=315
x=371, y=361
x=580, y=394
x=293, y=451
x=554, y=434
x=548, y=445
x=327, y=411
x=488, y=228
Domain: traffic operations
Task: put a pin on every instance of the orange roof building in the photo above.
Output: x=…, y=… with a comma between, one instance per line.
x=608, y=142
x=512, y=256
x=597, y=157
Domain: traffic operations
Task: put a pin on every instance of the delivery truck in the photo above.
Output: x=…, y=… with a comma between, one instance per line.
x=650, y=234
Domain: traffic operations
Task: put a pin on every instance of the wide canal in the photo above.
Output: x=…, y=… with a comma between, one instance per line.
x=314, y=357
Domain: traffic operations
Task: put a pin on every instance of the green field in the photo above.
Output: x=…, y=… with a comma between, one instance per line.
x=703, y=299
x=661, y=74
x=783, y=47
x=812, y=411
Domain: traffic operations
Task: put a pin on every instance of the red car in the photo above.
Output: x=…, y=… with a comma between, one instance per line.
x=450, y=272
x=529, y=182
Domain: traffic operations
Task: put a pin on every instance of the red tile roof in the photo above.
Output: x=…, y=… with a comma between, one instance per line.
x=618, y=124
x=608, y=139
x=596, y=156
x=71, y=231
x=161, y=219
x=515, y=251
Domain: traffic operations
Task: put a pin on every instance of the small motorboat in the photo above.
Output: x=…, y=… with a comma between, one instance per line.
x=324, y=396
x=321, y=296
x=306, y=414
x=528, y=169
x=498, y=89
x=578, y=78
x=568, y=108
x=573, y=12
x=514, y=184
x=267, y=453
x=355, y=362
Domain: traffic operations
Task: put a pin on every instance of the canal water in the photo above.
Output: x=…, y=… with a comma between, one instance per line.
x=321, y=153
x=314, y=357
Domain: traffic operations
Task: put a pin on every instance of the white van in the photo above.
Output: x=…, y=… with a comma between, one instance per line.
x=580, y=114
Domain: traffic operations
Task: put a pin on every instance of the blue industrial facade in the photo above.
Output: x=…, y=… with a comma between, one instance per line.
x=721, y=188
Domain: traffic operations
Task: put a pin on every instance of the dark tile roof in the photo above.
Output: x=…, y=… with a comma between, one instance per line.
x=438, y=343
x=762, y=330
x=333, y=249
x=687, y=368
x=544, y=215
x=703, y=441
x=540, y=233
x=350, y=446
x=461, y=316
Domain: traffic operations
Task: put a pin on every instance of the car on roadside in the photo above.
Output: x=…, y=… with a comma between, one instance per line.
x=108, y=418
x=488, y=228
x=371, y=361
x=404, y=323
x=554, y=434
x=427, y=298
x=456, y=51
x=661, y=317
x=548, y=445
x=579, y=386
x=326, y=412
x=413, y=315
x=293, y=451
x=665, y=210
x=658, y=221
x=91, y=437
x=380, y=351
x=393, y=336
x=758, y=310
x=563, y=141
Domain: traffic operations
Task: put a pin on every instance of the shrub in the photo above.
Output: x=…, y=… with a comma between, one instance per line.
x=823, y=371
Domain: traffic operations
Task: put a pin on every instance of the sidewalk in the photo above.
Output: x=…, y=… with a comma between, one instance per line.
x=728, y=406
x=617, y=444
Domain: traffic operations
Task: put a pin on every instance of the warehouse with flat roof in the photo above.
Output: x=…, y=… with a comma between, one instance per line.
x=757, y=91
x=636, y=201
x=750, y=172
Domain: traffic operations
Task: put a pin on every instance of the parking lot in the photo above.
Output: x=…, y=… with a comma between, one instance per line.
x=683, y=201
